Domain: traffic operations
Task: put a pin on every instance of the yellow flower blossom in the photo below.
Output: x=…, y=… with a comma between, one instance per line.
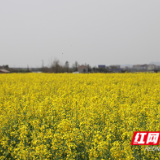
x=84, y=116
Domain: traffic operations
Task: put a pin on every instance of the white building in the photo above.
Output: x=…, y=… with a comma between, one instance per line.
x=151, y=67
x=144, y=67
x=83, y=69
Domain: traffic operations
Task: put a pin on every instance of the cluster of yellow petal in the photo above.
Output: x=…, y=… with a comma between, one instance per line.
x=77, y=116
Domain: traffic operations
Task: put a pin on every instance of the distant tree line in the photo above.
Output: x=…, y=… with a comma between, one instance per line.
x=56, y=67
x=15, y=70
x=4, y=66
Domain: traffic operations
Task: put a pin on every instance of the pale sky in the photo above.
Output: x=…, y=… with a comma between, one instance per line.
x=96, y=32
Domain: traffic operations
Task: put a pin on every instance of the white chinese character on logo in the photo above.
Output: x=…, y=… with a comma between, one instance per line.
x=152, y=137
x=141, y=139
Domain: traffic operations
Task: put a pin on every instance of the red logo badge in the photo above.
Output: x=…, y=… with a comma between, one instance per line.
x=146, y=138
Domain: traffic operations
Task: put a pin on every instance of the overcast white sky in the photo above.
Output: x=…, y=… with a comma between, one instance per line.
x=88, y=31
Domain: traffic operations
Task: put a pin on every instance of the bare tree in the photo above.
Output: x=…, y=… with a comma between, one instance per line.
x=94, y=69
x=66, y=66
x=89, y=68
x=75, y=66
x=44, y=69
x=55, y=66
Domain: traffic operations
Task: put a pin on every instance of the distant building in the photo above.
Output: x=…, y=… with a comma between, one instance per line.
x=140, y=67
x=101, y=66
x=83, y=69
x=115, y=68
x=151, y=67
x=144, y=67
x=4, y=71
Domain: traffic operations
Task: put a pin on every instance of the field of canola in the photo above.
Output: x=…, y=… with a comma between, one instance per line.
x=77, y=116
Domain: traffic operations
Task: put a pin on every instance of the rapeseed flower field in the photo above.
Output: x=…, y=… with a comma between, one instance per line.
x=77, y=116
